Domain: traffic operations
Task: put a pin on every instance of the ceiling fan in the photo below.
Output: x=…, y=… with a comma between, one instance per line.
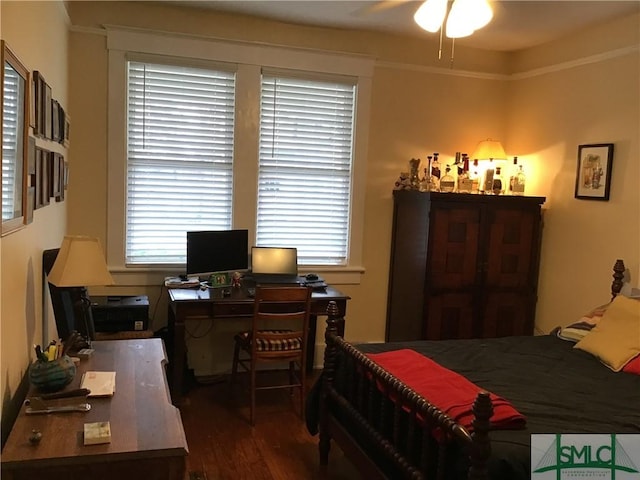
x=453, y=18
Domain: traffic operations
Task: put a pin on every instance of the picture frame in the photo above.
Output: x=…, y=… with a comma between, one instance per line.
x=48, y=113
x=220, y=279
x=54, y=176
x=593, y=176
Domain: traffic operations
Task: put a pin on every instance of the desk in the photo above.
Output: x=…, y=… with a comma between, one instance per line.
x=196, y=304
x=147, y=437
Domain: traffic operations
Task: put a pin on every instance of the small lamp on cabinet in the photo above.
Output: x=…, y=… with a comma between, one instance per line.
x=489, y=150
x=80, y=263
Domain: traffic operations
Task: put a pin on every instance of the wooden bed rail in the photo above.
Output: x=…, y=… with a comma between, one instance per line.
x=380, y=435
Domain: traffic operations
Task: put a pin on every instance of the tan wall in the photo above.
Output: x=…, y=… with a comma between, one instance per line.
x=552, y=114
x=37, y=32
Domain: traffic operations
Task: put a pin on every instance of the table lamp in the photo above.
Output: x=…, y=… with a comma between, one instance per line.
x=489, y=150
x=80, y=263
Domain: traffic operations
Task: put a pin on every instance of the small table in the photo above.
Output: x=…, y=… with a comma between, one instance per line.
x=197, y=304
x=147, y=436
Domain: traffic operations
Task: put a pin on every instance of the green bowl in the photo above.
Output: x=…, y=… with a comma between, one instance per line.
x=52, y=376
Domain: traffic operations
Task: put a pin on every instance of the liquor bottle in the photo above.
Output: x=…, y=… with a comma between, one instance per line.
x=487, y=181
x=498, y=182
x=447, y=182
x=435, y=173
x=519, y=181
x=512, y=177
x=475, y=177
x=425, y=181
x=465, y=183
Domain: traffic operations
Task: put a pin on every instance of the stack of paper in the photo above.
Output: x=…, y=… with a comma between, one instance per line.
x=101, y=384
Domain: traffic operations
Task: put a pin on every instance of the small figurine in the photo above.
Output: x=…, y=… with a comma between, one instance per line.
x=235, y=280
x=403, y=182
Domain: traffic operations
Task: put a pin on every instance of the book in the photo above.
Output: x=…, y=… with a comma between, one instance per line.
x=96, y=433
x=101, y=384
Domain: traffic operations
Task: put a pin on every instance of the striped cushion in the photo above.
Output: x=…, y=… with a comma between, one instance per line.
x=271, y=344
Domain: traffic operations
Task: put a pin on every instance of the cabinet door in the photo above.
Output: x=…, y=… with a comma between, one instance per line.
x=507, y=313
x=453, y=246
x=512, y=238
x=450, y=315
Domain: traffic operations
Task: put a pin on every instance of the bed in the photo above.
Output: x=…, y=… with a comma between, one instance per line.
x=389, y=430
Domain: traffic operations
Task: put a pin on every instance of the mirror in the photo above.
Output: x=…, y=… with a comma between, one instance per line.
x=15, y=132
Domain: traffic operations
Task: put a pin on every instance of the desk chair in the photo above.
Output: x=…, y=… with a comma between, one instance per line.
x=264, y=344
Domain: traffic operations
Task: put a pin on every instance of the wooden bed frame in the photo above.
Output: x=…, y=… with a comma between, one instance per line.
x=397, y=444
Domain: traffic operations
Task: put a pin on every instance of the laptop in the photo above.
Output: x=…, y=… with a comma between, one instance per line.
x=275, y=265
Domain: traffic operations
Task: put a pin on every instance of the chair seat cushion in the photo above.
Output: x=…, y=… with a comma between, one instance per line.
x=271, y=344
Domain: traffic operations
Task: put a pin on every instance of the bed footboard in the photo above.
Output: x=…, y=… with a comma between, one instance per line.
x=385, y=428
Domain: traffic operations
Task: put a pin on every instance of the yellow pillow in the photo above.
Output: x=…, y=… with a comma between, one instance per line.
x=615, y=340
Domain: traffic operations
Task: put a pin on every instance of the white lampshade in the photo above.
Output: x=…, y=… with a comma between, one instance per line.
x=430, y=15
x=489, y=150
x=80, y=263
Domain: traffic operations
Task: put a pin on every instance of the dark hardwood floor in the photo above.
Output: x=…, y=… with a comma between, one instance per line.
x=224, y=446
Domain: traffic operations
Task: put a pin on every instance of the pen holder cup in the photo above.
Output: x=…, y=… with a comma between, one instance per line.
x=52, y=376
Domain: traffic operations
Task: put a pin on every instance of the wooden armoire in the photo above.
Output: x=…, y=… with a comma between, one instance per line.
x=463, y=265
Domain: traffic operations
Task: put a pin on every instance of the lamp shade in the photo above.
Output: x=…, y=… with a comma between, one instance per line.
x=80, y=263
x=489, y=150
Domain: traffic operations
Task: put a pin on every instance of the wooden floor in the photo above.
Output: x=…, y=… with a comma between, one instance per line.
x=222, y=444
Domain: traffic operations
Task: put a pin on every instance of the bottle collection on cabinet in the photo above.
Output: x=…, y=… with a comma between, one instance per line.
x=464, y=175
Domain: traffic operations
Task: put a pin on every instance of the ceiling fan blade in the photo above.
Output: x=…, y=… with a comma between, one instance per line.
x=378, y=6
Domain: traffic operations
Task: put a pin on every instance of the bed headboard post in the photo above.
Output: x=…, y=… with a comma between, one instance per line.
x=480, y=443
x=618, y=275
x=328, y=372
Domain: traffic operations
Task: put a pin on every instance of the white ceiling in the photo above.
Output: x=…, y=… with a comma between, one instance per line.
x=516, y=24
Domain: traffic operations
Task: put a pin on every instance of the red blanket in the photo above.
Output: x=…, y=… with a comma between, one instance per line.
x=450, y=392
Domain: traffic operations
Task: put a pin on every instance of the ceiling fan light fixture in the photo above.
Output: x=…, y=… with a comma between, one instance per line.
x=467, y=16
x=430, y=15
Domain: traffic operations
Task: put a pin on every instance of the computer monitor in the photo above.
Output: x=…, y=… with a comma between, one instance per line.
x=274, y=260
x=217, y=251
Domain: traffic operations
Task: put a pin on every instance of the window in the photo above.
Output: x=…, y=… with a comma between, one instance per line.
x=212, y=142
x=304, y=183
x=180, y=151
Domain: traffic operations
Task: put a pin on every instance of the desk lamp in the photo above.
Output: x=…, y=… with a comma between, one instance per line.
x=489, y=150
x=80, y=263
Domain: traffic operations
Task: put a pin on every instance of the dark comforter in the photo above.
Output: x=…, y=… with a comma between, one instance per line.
x=558, y=388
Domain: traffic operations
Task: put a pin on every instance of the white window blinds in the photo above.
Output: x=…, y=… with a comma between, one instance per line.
x=179, y=158
x=304, y=185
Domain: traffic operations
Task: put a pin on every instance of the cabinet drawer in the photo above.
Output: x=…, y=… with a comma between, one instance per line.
x=233, y=309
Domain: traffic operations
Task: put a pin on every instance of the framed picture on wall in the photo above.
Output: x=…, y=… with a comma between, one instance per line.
x=593, y=178
x=48, y=114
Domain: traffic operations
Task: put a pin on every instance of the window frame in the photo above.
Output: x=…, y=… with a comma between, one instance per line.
x=125, y=44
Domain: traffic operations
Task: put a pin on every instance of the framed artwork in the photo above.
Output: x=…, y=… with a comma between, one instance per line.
x=39, y=104
x=220, y=279
x=32, y=101
x=66, y=124
x=54, y=176
x=31, y=181
x=593, y=178
x=42, y=193
x=55, y=121
x=46, y=107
